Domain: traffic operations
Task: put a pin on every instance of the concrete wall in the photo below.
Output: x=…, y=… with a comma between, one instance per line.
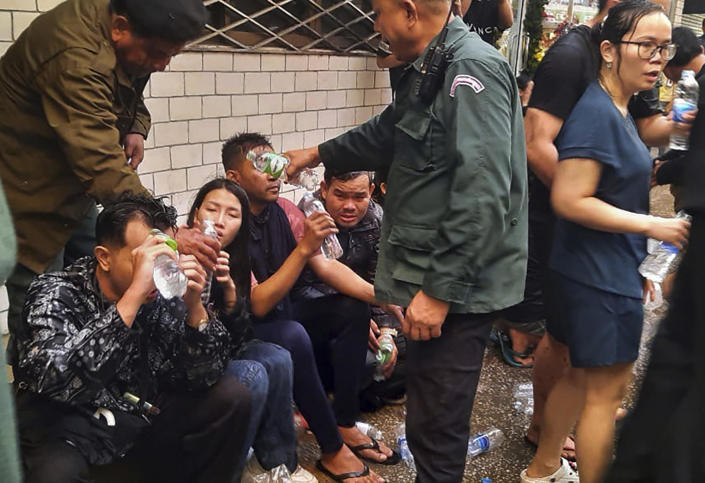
x=205, y=97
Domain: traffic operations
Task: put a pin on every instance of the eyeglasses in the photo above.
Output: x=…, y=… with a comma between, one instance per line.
x=648, y=49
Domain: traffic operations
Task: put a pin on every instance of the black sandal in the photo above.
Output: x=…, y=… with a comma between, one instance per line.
x=343, y=476
x=373, y=444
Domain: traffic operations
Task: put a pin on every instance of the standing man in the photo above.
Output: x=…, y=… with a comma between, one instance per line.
x=454, y=234
x=489, y=18
x=73, y=121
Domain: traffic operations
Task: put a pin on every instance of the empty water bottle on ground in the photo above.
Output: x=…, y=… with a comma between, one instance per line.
x=369, y=430
x=208, y=230
x=403, y=446
x=657, y=264
x=484, y=442
x=385, y=351
x=524, y=398
x=331, y=246
x=168, y=277
x=685, y=100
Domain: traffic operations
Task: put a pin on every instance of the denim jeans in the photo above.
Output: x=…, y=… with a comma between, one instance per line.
x=266, y=370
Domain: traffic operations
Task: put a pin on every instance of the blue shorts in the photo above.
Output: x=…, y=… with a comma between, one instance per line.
x=600, y=328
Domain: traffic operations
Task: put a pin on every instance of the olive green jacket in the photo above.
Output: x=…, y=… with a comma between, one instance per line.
x=65, y=107
x=455, y=213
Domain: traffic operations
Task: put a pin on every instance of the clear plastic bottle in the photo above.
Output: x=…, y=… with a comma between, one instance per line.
x=484, y=442
x=384, y=353
x=168, y=277
x=331, y=246
x=685, y=100
x=274, y=164
x=656, y=265
x=403, y=446
x=369, y=430
x=524, y=398
x=208, y=230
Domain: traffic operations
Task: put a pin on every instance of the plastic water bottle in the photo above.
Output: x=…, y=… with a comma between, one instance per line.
x=331, y=246
x=403, y=446
x=685, y=100
x=484, y=442
x=369, y=430
x=274, y=164
x=384, y=353
x=168, y=277
x=658, y=298
x=524, y=398
x=208, y=230
x=656, y=265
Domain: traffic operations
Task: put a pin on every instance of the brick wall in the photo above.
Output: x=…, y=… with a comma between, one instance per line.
x=205, y=97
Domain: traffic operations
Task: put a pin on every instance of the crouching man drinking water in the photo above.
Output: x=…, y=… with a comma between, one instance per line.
x=110, y=368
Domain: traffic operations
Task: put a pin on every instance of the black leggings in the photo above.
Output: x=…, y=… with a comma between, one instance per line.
x=338, y=327
x=196, y=438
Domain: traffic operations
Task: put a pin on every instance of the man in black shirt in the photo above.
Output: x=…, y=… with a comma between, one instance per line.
x=489, y=18
x=560, y=80
x=662, y=439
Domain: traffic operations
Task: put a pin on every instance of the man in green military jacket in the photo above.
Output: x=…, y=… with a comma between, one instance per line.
x=72, y=117
x=454, y=237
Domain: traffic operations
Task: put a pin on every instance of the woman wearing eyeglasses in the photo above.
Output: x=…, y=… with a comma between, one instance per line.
x=600, y=193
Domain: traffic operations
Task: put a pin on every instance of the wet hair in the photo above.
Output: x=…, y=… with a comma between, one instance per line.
x=689, y=46
x=238, y=248
x=235, y=149
x=330, y=175
x=112, y=221
x=622, y=19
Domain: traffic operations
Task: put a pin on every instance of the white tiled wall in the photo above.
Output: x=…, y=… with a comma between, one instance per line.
x=206, y=97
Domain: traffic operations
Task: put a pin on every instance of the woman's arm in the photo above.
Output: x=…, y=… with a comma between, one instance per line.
x=573, y=198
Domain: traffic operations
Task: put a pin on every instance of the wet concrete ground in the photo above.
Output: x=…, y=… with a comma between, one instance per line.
x=493, y=406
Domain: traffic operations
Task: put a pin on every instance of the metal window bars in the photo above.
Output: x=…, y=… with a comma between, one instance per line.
x=342, y=26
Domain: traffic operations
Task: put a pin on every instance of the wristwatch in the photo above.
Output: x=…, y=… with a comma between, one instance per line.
x=202, y=324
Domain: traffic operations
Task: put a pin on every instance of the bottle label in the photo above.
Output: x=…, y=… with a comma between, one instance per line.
x=681, y=107
x=483, y=442
x=669, y=248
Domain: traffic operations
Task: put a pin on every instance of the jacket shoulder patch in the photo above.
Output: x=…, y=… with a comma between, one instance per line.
x=466, y=80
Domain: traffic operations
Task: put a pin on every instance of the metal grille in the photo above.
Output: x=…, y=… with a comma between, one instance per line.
x=344, y=26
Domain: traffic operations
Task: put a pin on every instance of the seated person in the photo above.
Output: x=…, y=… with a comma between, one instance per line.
x=265, y=368
x=109, y=367
x=282, y=242
x=347, y=199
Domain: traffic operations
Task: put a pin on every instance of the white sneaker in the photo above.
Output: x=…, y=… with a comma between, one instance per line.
x=303, y=476
x=564, y=474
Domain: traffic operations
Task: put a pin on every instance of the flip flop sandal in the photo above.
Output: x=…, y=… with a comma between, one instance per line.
x=391, y=460
x=343, y=476
x=508, y=354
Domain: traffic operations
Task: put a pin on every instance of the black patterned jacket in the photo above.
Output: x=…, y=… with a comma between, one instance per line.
x=77, y=349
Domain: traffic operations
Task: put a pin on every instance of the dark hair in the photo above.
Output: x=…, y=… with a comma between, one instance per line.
x=622, y=19
x=703, y=24
x=523, y=80
x=601, y=5
x=330, y=175
x=689, y=46
x=175, y=21
x=235, y=149
x=111, y=222
x=237, y=249
x=380, y=177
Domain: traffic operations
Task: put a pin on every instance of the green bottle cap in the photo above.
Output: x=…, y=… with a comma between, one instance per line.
x=171, y=243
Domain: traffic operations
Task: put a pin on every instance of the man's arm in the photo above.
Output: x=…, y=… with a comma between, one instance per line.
x=78, y=105
x=541, y=129
x=68, y=358
x=506, y=16
x=342, y=278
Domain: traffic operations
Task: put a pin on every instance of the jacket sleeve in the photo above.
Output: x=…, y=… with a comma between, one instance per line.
x=66, y=358
x=198, y=359
x=78, y=105
x=478, y=118
x=366, y=147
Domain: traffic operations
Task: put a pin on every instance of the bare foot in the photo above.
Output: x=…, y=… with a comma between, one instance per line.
x=568, y=452
x=345, y=461
x=354, y=437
